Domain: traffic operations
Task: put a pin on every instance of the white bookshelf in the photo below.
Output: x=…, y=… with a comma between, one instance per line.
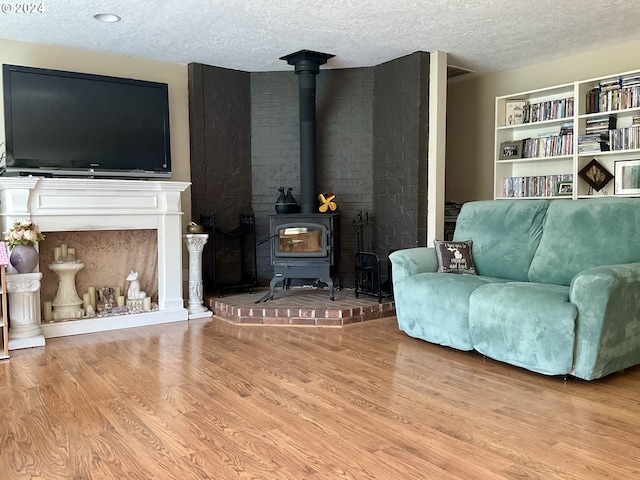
x=562, y=165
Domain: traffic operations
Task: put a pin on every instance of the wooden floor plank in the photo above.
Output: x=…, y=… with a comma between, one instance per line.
x=207, y=399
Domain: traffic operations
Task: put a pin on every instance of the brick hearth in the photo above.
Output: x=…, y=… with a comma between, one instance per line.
x=300, y=306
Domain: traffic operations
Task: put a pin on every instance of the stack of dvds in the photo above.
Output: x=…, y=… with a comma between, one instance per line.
x=596, y=137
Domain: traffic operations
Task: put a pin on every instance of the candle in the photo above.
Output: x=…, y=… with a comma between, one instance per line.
x=71, y=252
x=120, y=299
x=86, y=301
x=118, y=293
x=147, y=303
x=63, y=252
x=92, y=296
x=57, y=253
x=46, y=311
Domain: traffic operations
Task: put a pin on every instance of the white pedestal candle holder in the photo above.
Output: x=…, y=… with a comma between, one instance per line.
x=195, y=244
x=67, y=304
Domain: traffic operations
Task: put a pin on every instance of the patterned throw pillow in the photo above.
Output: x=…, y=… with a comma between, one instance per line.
x=455, y=257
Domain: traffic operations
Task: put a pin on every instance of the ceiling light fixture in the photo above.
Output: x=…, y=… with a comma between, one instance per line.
x=107, y=17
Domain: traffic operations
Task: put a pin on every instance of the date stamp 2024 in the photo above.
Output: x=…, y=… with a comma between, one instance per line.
x=22, y=8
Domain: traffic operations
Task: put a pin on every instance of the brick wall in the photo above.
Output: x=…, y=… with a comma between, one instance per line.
x=344, y=112
x=400, y=152
x=371, y=149
x=220, y=120
x=275, y=151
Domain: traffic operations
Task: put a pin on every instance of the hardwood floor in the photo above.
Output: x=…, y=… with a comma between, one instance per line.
x=209, y=399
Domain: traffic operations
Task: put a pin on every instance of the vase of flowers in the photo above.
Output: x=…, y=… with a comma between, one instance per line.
x=22, y=239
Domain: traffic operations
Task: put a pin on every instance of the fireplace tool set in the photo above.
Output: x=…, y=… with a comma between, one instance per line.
x=369, y=280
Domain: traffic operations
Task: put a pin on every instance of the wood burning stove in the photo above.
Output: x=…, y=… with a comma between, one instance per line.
x=304, y=246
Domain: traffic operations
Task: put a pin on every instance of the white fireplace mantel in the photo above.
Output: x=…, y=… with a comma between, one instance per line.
x=61, y=204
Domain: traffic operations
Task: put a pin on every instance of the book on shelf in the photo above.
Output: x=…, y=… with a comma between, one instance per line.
x=625, y=138
x=548, y=110
x=595, y=142
x=605, y=122
x=596, y=137
x=614, y=95
x=452, y=209
x=514, y=112
x=566, y=128
x=534, y=186
x=607, y=85
x=548, y=145
x=630, y=81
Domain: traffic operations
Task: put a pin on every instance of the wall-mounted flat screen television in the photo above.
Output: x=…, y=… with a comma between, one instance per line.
x=74, y=124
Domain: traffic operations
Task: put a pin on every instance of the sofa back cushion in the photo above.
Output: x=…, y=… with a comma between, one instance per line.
x=580, y=234
x=505, y=235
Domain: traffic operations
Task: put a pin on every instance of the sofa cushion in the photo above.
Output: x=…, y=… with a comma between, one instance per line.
x=505, y=235
x=530, y=325
x=435, y=307
x=455, y=257
x=586, y=233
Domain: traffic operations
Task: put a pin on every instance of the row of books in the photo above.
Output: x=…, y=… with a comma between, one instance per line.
x=625, y=138
x=537, y=186
x=599, y=100
x=548, y=146
x=549, y=110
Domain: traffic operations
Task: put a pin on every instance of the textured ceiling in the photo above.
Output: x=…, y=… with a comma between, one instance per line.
x=481, y=35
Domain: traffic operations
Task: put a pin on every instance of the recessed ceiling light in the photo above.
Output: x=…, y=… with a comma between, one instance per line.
x=107, y=17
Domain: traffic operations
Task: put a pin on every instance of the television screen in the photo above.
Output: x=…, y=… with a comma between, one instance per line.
x=67, y=123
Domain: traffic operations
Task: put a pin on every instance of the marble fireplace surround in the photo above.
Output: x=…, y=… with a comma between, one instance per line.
x=62, y=204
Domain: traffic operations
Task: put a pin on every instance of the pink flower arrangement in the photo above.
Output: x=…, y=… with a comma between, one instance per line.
x=23, y=233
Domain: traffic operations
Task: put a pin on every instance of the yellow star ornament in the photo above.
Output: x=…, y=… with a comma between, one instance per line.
x=327, y=202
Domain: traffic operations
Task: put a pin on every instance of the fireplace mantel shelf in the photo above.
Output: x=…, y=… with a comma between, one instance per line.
x=61, y=204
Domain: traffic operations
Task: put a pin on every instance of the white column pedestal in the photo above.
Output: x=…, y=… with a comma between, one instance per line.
x=195, y=244
x=24, y=310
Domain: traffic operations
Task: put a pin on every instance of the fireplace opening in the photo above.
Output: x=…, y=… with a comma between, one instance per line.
x=301, y=240
x=108, y=255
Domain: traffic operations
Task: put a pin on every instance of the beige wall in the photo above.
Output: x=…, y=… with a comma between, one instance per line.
x=175, y=75
x=471, y=110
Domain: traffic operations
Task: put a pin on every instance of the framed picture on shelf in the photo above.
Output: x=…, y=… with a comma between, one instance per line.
x=565, y=189
x=627, y=177
x=511, y=150
x=513, y=112
x=595, y=175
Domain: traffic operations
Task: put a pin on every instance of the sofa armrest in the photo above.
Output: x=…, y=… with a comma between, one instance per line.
x=608, y=328
x=408, y=262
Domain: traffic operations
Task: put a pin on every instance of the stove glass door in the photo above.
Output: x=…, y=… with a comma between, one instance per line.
x=308, y=240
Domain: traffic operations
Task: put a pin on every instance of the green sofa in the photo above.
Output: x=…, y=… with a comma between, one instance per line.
x=557, y=289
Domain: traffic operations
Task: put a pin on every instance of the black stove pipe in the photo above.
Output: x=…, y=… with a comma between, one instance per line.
x=307, y=66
